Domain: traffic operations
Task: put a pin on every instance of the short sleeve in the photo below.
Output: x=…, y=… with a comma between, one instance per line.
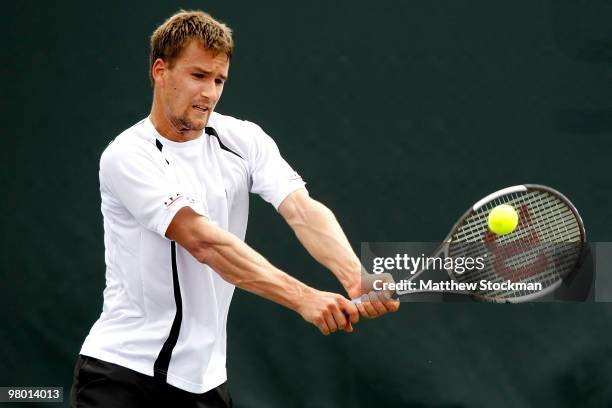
x=272, y=177
x=143, y=182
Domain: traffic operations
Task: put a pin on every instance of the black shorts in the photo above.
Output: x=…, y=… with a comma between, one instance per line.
x=101, y=384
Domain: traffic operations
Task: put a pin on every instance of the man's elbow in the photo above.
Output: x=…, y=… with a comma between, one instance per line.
x=191, y=241
x=194, y=233
x=300, y=210
x=201, y=251
x=211, y=253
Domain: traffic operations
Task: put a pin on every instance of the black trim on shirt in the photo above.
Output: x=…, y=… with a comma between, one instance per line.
x=160, y=147
x=160, y=368
x=211, y=131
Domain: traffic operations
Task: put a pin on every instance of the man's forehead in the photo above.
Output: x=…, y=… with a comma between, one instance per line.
x=195, y=52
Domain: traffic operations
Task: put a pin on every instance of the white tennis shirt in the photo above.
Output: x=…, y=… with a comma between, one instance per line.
x=165, y=313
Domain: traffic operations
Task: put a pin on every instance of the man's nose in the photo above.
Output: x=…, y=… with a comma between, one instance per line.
x=209, y=91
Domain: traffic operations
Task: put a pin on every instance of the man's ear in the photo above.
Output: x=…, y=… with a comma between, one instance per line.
x=158, y=70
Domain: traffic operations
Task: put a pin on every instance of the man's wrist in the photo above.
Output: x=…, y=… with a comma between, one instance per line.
x=354, y=286
x=300, y=302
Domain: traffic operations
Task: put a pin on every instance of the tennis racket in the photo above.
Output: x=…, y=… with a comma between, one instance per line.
x=546, y=246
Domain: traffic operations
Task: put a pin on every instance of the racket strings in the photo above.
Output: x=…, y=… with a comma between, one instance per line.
x=543, y=249
x=472, y=229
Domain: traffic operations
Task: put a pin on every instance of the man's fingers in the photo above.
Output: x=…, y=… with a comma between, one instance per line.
x=322, y=325
x=391, y=304
x=375, y=301
x=350, y=315
x=349, y=327
x=331, y=323
x=352, y=311
x=330, y=312
x=339, y=317
x=362, y=310
x=378, y=304
x=367, y=300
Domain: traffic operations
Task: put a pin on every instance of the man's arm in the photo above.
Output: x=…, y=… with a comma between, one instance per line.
x=242, y=266
x=318, y=230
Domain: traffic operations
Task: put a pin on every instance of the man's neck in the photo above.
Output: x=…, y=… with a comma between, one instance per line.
x=169, y=130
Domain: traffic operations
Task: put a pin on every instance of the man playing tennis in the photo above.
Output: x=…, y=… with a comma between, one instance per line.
x=175, y=190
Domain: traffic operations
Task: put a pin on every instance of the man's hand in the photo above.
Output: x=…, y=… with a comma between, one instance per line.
x=373, y=303
x=328, y=311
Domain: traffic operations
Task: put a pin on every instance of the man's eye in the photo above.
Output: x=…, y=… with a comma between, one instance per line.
x=199, y=76
x=219, y=81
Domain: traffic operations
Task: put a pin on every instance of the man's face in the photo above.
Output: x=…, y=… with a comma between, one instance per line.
x=190, y=90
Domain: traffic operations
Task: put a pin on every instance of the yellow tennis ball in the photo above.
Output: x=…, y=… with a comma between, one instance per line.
x=503, y=219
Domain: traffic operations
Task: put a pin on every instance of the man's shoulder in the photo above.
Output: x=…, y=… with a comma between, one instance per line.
x=138, y=135
x=230, y=124
x=242, y=134
x=138, y=138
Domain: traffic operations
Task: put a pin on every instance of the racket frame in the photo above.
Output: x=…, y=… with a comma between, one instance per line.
x=443, y=249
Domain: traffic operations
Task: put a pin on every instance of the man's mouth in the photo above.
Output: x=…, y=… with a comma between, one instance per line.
x=200, y=108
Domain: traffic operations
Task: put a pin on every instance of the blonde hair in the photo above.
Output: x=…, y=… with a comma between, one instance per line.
x=169, y=39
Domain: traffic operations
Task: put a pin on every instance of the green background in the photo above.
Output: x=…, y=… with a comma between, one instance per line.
x=398, y=114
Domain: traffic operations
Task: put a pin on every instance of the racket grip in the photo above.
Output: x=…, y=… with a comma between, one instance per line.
x=357, y=300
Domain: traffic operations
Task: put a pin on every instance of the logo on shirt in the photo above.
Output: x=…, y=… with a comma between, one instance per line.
x=173, y=199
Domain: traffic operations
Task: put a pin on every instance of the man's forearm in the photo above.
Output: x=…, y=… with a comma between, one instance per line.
x=320, y=233
x=235, y=261
x=242, y=266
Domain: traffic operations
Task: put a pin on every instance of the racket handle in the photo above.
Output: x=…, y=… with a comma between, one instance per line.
x=357, y=300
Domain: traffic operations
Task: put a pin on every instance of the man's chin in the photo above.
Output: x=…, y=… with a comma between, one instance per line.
x=200, y=123
x=196, y=124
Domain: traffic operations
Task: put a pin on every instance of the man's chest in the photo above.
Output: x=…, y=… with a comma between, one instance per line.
x=215, y=179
